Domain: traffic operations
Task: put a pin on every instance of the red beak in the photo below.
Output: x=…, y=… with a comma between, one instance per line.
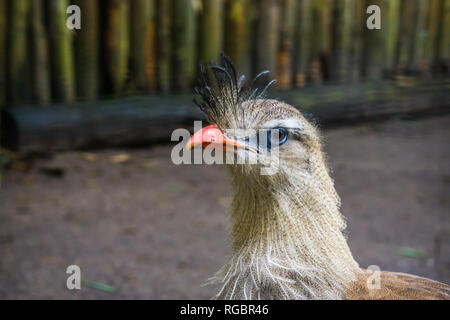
x=213, y=135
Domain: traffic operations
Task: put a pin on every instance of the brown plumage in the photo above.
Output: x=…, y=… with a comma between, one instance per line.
x=286, y=227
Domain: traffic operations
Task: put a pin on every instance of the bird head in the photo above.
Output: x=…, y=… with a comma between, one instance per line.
x=264, y=139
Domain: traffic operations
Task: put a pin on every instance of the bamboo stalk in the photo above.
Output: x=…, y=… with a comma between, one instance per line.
x=3, y=37
x=286, y=43
x=340, y=39
x=431, y=26
x=392, y=25
x=87, y=51
x=359, y=24
x=40, y=60
x=404, y=42
x=417, y=60
x=117, y=43
x=373, y=52
x=184, y=34
x=17, y=64
x=139, y=17
x=267, y=36
x=62, y=61
x=211, y=31
x=303, y=50
x=164, y=65
x=237, y=33
x=445, y=37
x=150, y=58
x=440, y=39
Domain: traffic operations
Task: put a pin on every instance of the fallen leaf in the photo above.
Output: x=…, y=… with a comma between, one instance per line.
x=89, y=156
x=120, y=158
x=411, y=253
x=149, y=164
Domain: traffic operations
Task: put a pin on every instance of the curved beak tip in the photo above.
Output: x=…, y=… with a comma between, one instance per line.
x=212, y=135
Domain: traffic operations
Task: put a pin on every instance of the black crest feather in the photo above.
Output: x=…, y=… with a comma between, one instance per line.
x=222, y=91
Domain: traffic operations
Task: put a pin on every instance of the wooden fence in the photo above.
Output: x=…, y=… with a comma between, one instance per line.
x=144, y=46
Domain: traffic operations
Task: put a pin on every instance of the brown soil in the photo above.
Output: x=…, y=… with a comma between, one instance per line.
x=154, y=230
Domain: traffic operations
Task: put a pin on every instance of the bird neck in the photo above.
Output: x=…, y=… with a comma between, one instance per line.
x=287, y=240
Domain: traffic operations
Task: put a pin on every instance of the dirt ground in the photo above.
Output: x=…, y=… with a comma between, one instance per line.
x=154, y=230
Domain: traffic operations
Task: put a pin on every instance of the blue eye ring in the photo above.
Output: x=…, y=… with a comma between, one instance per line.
x=282, y=138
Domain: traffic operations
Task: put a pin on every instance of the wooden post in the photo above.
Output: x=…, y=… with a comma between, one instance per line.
x=211, y=30
x=163, y=53
x=117, y=43
x=17, y=64
x=39, y=57
x=184, y=45
x=87, y=51
x=286, y=43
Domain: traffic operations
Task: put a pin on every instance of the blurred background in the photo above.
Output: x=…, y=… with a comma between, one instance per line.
x=87, y=114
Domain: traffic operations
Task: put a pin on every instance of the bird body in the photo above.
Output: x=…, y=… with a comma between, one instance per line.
x=287, y=231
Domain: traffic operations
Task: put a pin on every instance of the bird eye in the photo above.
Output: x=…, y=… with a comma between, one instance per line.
x=277, y=137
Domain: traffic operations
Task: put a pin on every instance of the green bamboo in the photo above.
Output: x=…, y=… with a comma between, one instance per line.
x=117, y=43
x=267, y=36
x=184, y=36
x=237, y=33
x=445, y=36
x=303, y=36
x=373, y=52
x=211, y=31
x=87, y=50
x=150, y=57
x=345, y=48
x=359, y=25
x=340, y=42
x=139, y=17
x=392, y=25
x=417, y=62
x=3, y=37
x=18, y=66
x=406, y=35
x=286, y=44
x=431, y=27
x=164, y=48
x=62, y=60
x=441, y=38
x=321, y=40
x=40, y=60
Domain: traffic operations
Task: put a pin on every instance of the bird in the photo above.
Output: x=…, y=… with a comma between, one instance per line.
x=287, y=233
